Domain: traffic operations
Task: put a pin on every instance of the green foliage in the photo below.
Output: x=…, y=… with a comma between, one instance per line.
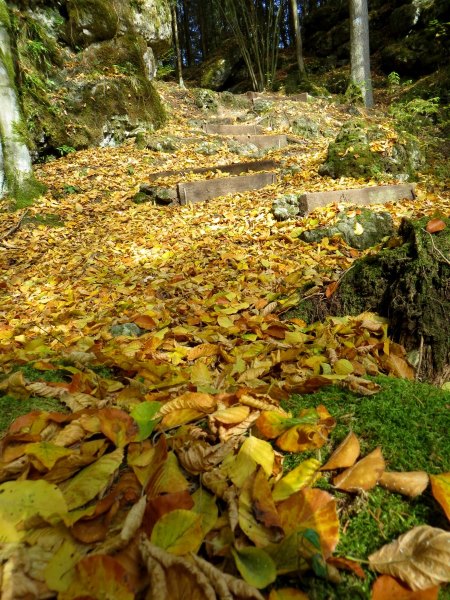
x=416, y=113
x=64, y=150
x=393, y=79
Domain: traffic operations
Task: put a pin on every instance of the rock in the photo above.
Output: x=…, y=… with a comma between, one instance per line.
x=209, y=148
x=156, y=194
x=126, y=329
x=243, y=149
x=286, y=207
x=361, y=150
x=205, y=99
x=261, y=105
x=91, y=21
x=305, y=127
x=157, y=143
x=103, y=41
x=361, y=231
x=152, y=20
x=219, y=67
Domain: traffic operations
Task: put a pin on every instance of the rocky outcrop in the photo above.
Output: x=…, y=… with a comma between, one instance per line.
x=363, y=149
x=85, y=69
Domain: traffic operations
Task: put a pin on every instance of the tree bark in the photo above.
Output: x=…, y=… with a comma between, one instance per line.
x=16, y=173
x=298, y=36
x=359, y=50
x=176, y=41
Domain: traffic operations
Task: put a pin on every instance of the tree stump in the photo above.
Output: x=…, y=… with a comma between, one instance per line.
x=410, y=285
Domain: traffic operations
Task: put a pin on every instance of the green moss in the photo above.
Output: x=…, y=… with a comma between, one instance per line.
x=12, y=408
x=4, y=15
x=25, y=192
x=409, y=421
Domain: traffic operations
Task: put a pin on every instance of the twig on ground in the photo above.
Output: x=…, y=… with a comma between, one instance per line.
x=15, y=227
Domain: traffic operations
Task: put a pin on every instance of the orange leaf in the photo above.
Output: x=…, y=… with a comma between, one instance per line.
x=145, y=322
x=345, y=454
x=99, y=576
x=311, y=508
x=440, y=486
x=271, y=424
x=364, y=475
x=117, y=425
x=347, y=565
x=263, y=505
x=331, y=288
x=435, y=225
x=388, y=588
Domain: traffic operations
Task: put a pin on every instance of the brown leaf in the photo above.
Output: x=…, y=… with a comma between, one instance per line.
x=420, y=557
x=364, y=475
x=345, y=454
x=388, y=588
x=410, y=484
x=435, y=225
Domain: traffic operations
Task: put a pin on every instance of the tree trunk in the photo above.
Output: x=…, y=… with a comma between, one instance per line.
x=176, y=41
x=298, y=36
x=16, y=173
x=359, y=50
x=187, y=33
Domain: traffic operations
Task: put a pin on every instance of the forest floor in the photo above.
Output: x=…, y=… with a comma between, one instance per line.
x=207, y=284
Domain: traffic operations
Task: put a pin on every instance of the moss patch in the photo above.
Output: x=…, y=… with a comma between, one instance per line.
x=409, y=421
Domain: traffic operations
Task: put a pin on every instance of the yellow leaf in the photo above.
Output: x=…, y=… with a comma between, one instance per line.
x=303, y=475
x=179, y=532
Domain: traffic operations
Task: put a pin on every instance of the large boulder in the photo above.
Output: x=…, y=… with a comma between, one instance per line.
x=86, y=68
x=362, y=149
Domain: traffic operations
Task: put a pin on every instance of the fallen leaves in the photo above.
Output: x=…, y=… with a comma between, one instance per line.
x=420, y=557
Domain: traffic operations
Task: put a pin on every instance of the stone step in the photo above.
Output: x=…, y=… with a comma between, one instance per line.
x=232, y=169
x=303, y=97
x=263, y=142
x=379, y=194
x=225, y=129
x=199, y=191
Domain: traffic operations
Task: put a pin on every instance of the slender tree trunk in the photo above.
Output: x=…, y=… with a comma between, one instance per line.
x=298, y=36
x=359, y=49
x=16, y=173
x=186, y=33
x=176, y=41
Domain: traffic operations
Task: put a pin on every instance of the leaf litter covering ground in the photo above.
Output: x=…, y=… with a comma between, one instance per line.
x=165, y=479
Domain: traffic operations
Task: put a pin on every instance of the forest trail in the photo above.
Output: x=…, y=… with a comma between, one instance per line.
x=158, y=334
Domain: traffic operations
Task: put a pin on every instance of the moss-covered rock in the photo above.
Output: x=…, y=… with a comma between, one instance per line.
x=361, y=231
x=361, y=150
x=92, y=21
x=408, y=284
x=220, y=66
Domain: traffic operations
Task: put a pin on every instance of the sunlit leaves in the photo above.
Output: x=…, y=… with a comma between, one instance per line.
x=364, y=475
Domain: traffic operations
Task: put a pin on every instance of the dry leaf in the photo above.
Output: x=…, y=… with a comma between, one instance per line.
x=440, y=485
x=364, y=475
x=435, y=225
x=410, y=484
x=420, y=557
x=387, y=588
x=345, y=455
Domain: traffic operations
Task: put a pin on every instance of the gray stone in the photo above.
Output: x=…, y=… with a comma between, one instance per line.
x=260, y=105
x=286, y=207
x=305, y=127
x=126, y=329
x=360, y=231
x=243, y=149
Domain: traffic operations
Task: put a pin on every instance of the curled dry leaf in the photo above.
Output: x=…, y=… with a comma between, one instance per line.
x=345, y=454
x=364, y=475
x=420, y=557
x=411, y=483
x=386, y=587
x=200, y=457
x=232, y=415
